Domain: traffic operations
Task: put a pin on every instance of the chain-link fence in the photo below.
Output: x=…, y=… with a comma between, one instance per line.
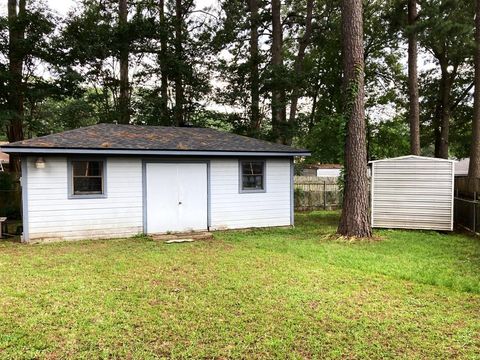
x=467, y=204
x=467, y=214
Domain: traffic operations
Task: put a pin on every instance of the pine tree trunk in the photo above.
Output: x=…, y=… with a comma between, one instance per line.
x=444, y=125
x=474, y=167
x=414, y=110
x=442, y=114
x=438, y=116
x=443, y=107
x=311, y=122
x=254, y=73
x=354, y=221
x=179, y=117
x=298, y=66
x=163, y=62
x=279, y=114
x=124, y=100
x=16, y=58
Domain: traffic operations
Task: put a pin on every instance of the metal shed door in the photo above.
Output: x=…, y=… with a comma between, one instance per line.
x=176, y=197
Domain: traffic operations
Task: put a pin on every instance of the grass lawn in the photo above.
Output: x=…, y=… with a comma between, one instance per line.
x=278, y=293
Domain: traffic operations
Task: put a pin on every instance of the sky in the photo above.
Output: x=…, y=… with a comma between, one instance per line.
x=62, y=6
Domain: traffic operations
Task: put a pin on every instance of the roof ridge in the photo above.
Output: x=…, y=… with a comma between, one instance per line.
x=132, y=137
x=155, y=126
x=193, y=128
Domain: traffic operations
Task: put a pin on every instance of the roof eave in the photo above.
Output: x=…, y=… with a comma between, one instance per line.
x=76, y=151
x=410, y=157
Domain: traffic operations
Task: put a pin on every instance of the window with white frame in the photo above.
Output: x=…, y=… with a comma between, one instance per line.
x=87, y=178
x=252, y=176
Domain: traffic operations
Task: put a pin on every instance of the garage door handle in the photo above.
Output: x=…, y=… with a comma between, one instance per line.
x=179, y=203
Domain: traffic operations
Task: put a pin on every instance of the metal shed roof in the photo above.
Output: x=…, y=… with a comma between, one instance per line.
x=151, y=140
x=412, y=157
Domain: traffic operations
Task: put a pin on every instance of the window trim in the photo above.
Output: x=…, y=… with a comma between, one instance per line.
x=71, y=195
x=240, y=176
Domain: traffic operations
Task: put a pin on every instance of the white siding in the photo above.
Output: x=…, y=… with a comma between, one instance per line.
x=412, y=193
x=231, y=209
x=52, y=215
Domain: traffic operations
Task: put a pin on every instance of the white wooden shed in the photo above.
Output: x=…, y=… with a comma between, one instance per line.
x=109, y=180
x=412, y=192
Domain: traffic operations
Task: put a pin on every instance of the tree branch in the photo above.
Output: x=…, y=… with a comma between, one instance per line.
x=206, y=13
x=463, y=96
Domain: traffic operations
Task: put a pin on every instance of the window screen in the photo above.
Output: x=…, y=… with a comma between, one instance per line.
x=87, y=177
x=252, y=175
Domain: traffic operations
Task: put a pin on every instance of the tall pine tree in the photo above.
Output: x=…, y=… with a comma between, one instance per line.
x=354, y=221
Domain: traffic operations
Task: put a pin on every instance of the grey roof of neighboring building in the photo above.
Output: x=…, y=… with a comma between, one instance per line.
x=135, y=139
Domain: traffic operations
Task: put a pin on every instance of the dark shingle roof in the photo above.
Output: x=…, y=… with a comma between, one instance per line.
x=149, y=138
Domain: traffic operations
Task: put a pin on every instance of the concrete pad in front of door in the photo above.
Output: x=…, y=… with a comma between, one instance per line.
x=182, y=237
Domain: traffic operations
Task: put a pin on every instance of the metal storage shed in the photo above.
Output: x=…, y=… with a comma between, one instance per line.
x=412, y=192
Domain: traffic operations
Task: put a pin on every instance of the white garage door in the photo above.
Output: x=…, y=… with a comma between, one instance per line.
x=176, y=197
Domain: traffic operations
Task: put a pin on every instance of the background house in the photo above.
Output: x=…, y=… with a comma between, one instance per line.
x=461, y=167
x=322, y=170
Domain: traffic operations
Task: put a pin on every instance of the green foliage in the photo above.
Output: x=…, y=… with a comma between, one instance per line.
x=322, y=130
x=389, y=139
x=47, y=73
x=94, y=39
x=55, y=115
x=218, y=120
x=231, y=35
x=10, y=196
x=147, y=103
x=326, y=140
x=7, y=181
x=299, y=194
x=351, y=91
x=298, y=167
x=445, y=30
x=461, y=131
